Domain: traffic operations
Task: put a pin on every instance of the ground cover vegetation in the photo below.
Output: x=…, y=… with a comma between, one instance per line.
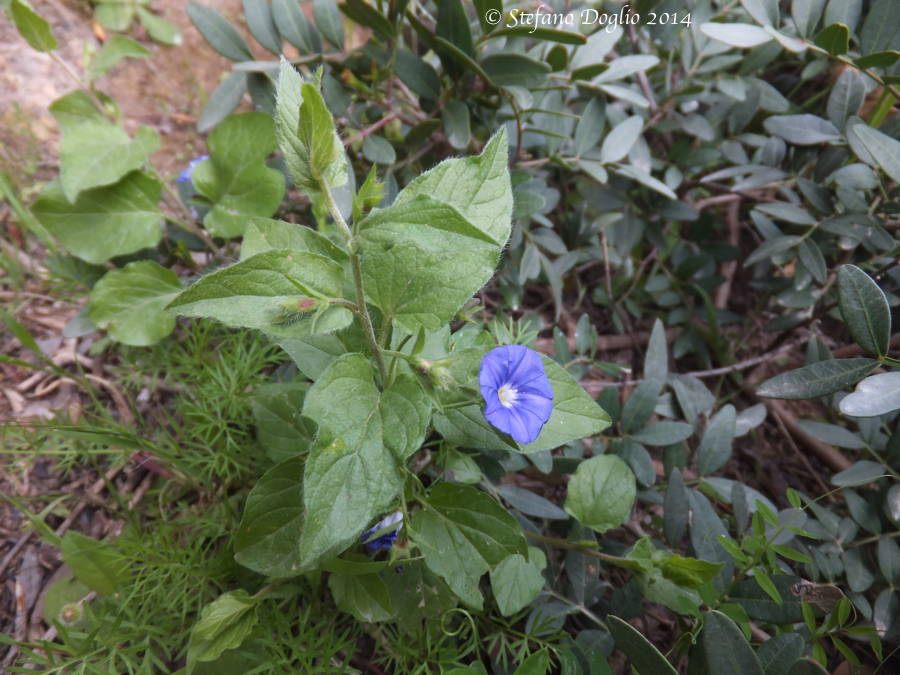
x=482, y=338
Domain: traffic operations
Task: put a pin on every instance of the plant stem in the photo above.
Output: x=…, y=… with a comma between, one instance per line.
x=361, y=310
x=565, y=543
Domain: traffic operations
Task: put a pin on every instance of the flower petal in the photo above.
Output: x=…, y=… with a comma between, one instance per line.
x=522, y=369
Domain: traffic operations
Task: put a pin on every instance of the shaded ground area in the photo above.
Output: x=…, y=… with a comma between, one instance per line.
x=166, y=91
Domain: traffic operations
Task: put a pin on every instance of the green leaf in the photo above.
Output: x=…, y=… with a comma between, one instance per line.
x=364, y=596
x=765, y=582
x=575, y=414
x=688, y=572
x=104, y=222
x=694, y=398
x=778, y=653
x=859, y=473
x=264, y=234
x=846, y=12
x=806, y=14
x=621, y=139
x=268, y=539
x=281, y=429
x=366, y=15
x=536, y=664
x=258, y=16
x=421, y=261
x=94, y=563
x=813, y=260
x=639, y=407
x=478, y=187
x=236, y=179
x=590, y=126
x=32, y=26
x=116, y=48
x=832, y=434
x=353, y=472
x=93, y=150
x=530, y=503
x=664, y=433
x=676, y=510
x=418, y=75
x=129, y=303
x=601, y=493
x=714, y=450
x=378, y=150
x=453, y=30
x=517, y=581
x=889, y=560
x=507, y=69
x=267, y=291
x=865, y=309
x=219, y=33
x=625, y=66
x=883, y=59
x=640, y=651
x=294, y=27
x=369, y=195
x=847, y=95
x=224, y=624
x=885, y=150
x=724, y=647
x=637, y=458
x=880, y=30
x=158, y=28
x=705, y=529
x=223, y=101
x=787, y=212
x=761, y=607
x=541, y=33
x=645, y=178
x=875, y=395
x=834, y=39
x=802, y=129
x=656, y=360
x=306, y=133
x=463, y=533
x=328, y=19
x=764, y=12
x=455, y=117
x=817, y=379
x=115, y=16
x=742, y=35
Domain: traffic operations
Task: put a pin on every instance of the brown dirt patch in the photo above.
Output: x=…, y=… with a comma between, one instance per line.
x=166, y=91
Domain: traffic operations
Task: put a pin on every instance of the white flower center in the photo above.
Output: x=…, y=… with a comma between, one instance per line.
x=507, y=395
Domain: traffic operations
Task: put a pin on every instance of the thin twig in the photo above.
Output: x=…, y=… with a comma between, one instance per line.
x=371, y=129
x=594, y=386
x=729, y=268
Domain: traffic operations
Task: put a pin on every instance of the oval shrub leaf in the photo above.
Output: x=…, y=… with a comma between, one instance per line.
x=601, y=493
x=875, y=395
x=865, y=309
x=817, y=379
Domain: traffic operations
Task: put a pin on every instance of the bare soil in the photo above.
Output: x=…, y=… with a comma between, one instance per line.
x=166, y=91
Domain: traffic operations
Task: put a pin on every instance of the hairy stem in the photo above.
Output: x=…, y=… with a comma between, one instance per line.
x=361, y=310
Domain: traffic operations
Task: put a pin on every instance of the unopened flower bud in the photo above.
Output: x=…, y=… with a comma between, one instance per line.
x=438, y=372
x=70, y=614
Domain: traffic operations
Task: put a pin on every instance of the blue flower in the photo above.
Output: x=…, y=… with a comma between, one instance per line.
x=186, y=174
x=385, y=540
x=516, y=391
